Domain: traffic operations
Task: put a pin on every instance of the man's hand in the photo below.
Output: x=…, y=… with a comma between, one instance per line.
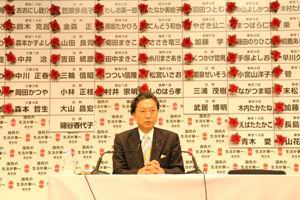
x=152, y=167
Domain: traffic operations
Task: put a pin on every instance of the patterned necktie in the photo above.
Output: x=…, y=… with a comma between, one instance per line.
x=146, y=147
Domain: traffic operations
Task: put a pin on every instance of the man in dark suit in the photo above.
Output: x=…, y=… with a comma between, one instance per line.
x=147, y=149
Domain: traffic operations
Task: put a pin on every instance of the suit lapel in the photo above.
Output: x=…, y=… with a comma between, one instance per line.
x=135, y=145
x=157, y=144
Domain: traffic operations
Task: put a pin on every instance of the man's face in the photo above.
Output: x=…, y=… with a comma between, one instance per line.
x=146, y=114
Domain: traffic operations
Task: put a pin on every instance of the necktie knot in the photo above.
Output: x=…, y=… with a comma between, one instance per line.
x=146, y=138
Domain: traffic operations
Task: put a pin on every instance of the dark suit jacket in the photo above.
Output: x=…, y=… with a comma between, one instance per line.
x=128, y=155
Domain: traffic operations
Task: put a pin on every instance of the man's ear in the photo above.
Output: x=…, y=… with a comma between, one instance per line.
x=133, y=116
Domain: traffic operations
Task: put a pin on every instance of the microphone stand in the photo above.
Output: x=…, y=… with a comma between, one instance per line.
x=96, y=169
x=197, y=171
x=196, y=168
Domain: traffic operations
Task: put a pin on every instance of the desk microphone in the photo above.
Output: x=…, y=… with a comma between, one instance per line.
x=96, y=169
x=197, y=171
x=196, y=168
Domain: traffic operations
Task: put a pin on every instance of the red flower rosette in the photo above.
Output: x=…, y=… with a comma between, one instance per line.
x=54, y=74
x=231, y=57
x=233, y=122
x=100, y=73
x=274, y=6
x=144, y=41
x=279, y=122
x=233, y=22
x=7, y=108
x=275, y=23
x=189, y=74
x=187, y=24
x=143, y=58
x=98, y=9
x=280, y=139
x=188, y=58
x=54, y=10
x=8, y=74
x=99, y=57
x=233, y=89
x=186, y=42
x=144, y=88
x=55, y=42
x=99, y=90
x=276, y=40
x=143, y=8
x=9, y=9
x=6, y=90
x=277, y=89
x=99, y=25
x=275, y=55
x=99, y=40
x=10, y=57
x=143, y=25
x=230, y=7
x=143, y=73
x=8, y=41
x=279, y=107
x=186, y=8
x=232, y=40
x=235, y=138
x=54, y=58
x=8, y=25
x=54, y=25
x=277, y=71
x=233, y=71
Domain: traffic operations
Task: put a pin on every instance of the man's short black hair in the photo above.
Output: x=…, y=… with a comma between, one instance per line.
x=141, y=96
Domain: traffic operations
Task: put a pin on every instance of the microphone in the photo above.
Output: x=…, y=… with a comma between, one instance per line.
x=196, y=168
x=197, y=171
x=139, y=146
x=96, y=169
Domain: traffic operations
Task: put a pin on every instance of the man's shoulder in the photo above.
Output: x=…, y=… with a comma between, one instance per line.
x=165, y=132
x=126, y=133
